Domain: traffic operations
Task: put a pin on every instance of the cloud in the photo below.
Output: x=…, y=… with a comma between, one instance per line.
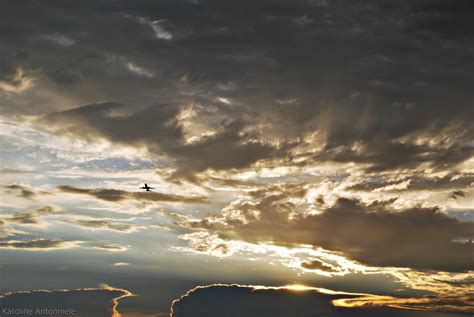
x=449, y=303
x=16, y=83
x=204, y=243
x=14, y=171
x=157, y=27
x=59, y=39
x=243, y=88
x=317, y=265
x=416, y=182
x=382, y=106
x=363, y=232
x=115, y=300
x=39, y=244
x=31, y=217
x=121, y=264
x=6, y=232
x=22, y=190
x=112, y=247
x=389, y=104
x=90, y=302
x=105, y=224
x=235, y=146
x=457, y=194
x=298, y=300
x=138, y=70
x=115, y=195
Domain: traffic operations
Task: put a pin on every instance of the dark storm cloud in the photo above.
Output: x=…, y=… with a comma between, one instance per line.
x=386, y=85
x=158, y=129
x=373, y=234
x=235, y=183
x=237, y=300
x=93, y=302
x=115, y=195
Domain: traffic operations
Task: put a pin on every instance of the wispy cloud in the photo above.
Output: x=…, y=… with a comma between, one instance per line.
x=105, y=224
x=138, y=70
x=24, y=191
x=121, y=264
x=112, y=247
x=16, y=83
x=40, y=244
x=31, y=217
x=115, y=195
x=157, y=26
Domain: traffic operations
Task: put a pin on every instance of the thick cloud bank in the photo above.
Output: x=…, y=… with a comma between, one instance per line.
x=258, y=301
x=218, y=86
x=373, y=233
x=98, y=302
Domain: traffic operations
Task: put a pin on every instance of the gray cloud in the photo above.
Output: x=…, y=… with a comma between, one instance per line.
x=6, y=232
x=375, y=89
x=214, y=85
x=240, y=300
x=418, y=182
x=231, y=148
x=15, y=83
x=115, y=195
x=14, y=171
x=457, y=194
x=32, y=217
x=22, y=190
x=89, y=302
x=105, y=224
x=363, y=232
x=317, y=265
x=112, y=247
x=37, y=244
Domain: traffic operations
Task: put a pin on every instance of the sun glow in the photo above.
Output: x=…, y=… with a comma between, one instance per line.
x=298, y=288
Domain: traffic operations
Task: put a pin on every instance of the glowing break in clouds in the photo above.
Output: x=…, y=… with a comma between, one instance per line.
x=115, y=300
x=258, y=300
x=17, y=83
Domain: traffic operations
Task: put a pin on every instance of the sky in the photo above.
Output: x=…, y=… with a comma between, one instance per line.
x=307, y=158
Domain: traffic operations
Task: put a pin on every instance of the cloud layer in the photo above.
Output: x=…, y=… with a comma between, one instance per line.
x=372, y=234
x=90, y=302
x=241, y=300
x=262, y=84
x=311, y=139
x=115, y=195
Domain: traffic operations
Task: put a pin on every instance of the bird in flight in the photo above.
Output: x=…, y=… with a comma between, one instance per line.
x=148, y=188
